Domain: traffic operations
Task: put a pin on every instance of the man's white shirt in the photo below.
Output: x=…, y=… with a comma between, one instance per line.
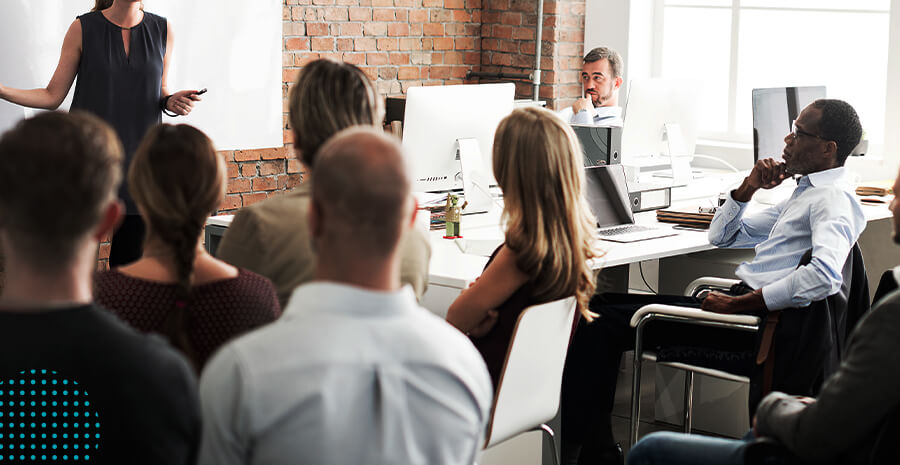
x=597, y=116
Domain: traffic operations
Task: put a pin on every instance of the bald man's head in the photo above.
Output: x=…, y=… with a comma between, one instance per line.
x=361, y=191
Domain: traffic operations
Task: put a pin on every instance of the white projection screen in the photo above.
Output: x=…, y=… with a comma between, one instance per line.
x=231, y=47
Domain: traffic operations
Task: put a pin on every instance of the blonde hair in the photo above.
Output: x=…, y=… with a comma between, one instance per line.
x=177, y=180
x=104, y=4
x=549, y=226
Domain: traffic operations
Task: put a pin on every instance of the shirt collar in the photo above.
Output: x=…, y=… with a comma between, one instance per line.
x=827, y=177
x=608, y=112
x=338, y=298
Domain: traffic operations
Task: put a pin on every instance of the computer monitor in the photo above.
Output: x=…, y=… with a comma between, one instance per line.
x=660, y=118
x=437, y=117
x=774, y=110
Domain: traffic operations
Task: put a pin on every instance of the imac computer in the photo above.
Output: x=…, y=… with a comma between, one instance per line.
x=660, y=120
x=448, y=136
x=774, y=111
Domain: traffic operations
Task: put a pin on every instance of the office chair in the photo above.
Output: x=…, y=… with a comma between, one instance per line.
x=528, y=392
x=810, y=340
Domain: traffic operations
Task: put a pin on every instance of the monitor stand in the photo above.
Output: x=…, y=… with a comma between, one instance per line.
x=679, y=158
x=476, y=184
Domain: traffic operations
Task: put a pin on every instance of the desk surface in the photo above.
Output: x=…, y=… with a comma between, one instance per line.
x=451, y=267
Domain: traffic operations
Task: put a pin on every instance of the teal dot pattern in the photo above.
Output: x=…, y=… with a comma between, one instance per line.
x=46, y=418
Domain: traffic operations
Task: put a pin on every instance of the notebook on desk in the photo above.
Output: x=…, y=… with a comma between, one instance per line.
x=607, y=194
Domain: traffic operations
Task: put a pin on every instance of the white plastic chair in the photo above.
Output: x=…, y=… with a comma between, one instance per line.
x=660, y=312
x=529, y=389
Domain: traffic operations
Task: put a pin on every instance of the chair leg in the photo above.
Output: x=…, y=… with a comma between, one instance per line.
x=636, y=386
x=549, y=432
x=688, y=399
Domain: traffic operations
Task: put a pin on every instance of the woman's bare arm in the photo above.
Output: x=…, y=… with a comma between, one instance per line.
x=50, y=97
x=496, y=284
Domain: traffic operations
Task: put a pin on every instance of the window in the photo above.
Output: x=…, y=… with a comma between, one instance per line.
x=733, y=46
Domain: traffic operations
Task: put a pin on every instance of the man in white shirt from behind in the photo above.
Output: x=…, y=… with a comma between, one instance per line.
x=354, y=372
x=601, y=78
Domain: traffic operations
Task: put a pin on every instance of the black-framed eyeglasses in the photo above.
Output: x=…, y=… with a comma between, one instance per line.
x=795, y=131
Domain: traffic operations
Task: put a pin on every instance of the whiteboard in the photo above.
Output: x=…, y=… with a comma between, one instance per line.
x=231, y=47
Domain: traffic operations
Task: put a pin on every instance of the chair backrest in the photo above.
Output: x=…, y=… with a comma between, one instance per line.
x=529, y=388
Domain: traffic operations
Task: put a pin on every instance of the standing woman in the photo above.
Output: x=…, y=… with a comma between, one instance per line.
x=121, y=55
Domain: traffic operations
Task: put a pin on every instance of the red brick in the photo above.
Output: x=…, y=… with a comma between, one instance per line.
x=268, y=168
x=293, y=166
x=399, y=58
x=296, y=43
x=375, y=29
x=104, y=251
x=453, y=58
x=461, y=16
x=439, y=72
x=473, y=4
x=276, y=153
x=432, y=3
x=316, y=29
x=265, y=184
x=418, y=16
x=246, y=155
x=230, y=202
x=398, y=29
x=408, y=72
x=465, y=43
x=248, y=170
x=289, y=181
x=238, y=185
x=386, y=45
x=443, y=43
x=302, y=59
x=364, y=44
x=232, y=170
x=322, y=43
x=376, y=59
x=454, y=3
x=345, y=45
x=336, y=14
x=383, y=14
x=360, y=14
x=433, y=29
x=250, y=199
x=501, y=32
x=403, y=16
x=354, y=58
x=511, y=19
x=351, y=29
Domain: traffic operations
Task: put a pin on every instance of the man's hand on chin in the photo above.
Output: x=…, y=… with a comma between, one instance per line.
x=724, y=303
x=584, y=103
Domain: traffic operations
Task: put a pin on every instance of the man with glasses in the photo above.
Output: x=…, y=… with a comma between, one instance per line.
x=821, y=214
x=601, y=77
x=854, y=419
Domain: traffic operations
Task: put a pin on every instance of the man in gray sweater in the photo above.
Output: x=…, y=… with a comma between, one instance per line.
x=851, y=420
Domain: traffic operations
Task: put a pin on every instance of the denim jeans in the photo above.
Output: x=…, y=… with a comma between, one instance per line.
x=666, y=448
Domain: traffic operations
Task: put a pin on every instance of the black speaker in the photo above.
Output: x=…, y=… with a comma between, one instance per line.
x=601, y=145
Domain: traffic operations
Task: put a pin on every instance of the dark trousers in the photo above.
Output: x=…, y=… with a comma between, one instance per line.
x=592, y=364
x=127, y=242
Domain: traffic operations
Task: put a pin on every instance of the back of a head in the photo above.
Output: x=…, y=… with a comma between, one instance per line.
x=839, y=123
x=61, y=171
x=330, y=96
x=538, y=164
x=361, y=185
x=601, y=53
x=177, y=181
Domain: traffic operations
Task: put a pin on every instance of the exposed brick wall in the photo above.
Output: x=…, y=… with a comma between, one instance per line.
x=508, y=45
x=403, y=43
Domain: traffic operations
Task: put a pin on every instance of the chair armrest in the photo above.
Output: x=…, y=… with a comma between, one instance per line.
x=691, y=314
x=709, y=283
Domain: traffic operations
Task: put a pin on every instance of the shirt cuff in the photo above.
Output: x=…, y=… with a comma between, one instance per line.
x=778, y=294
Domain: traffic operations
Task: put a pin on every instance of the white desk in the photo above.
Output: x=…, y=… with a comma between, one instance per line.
x=451, y=270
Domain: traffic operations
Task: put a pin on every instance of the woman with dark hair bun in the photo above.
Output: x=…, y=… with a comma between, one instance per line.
x=176, y=288
x=121, y=55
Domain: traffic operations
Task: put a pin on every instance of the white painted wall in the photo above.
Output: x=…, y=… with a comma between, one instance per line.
x=231, y=47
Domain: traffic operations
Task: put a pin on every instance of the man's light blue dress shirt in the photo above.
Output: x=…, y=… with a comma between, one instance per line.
x=821, y=214
x=600, y=116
